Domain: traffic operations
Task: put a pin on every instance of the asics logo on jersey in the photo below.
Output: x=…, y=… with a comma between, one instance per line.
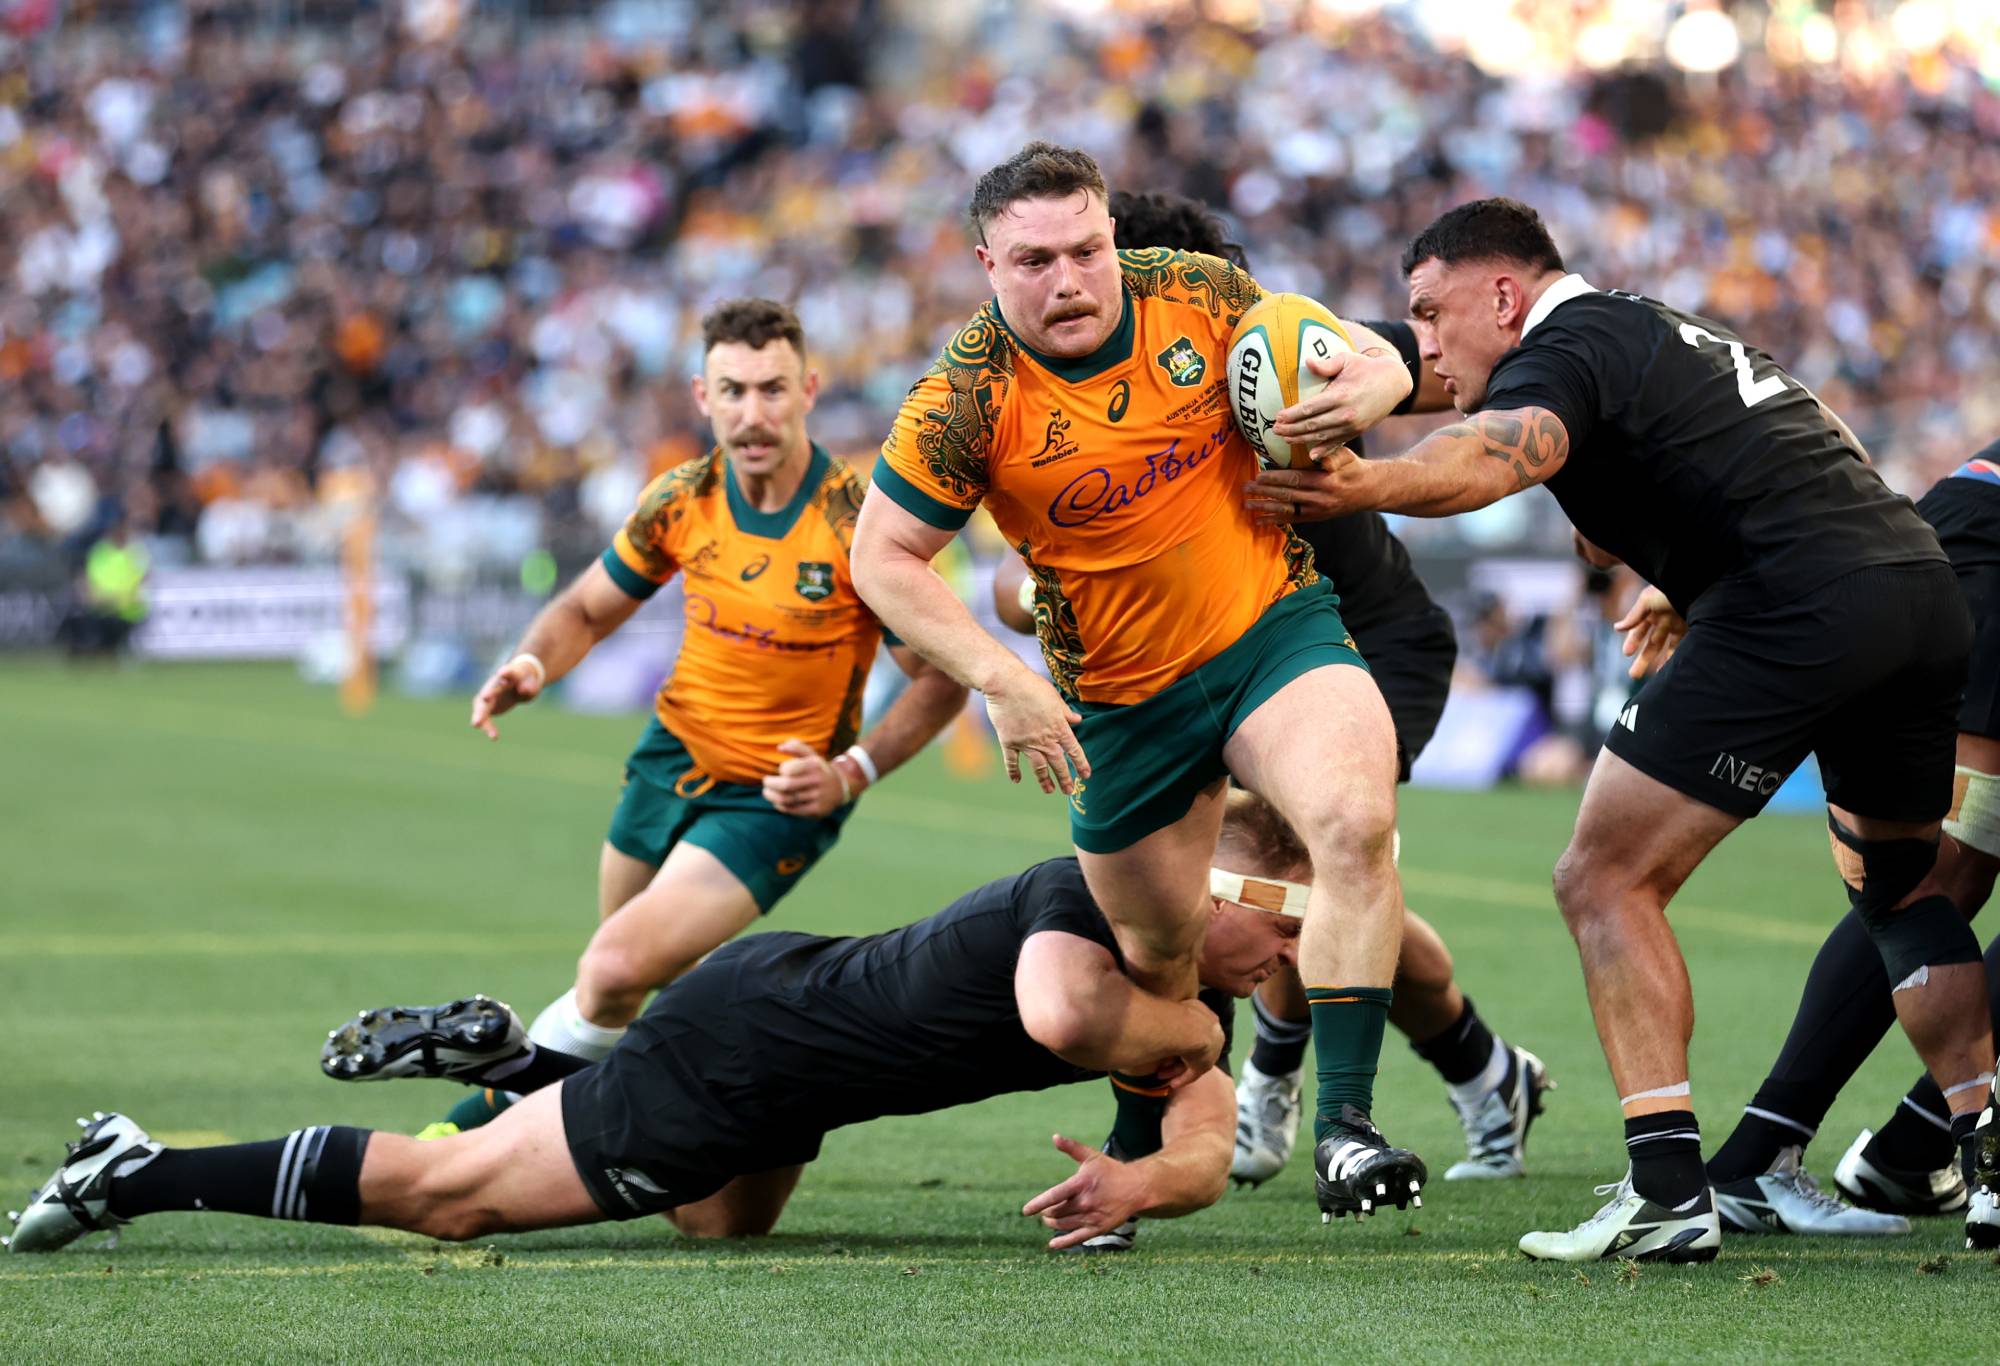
x=1746, y=776
x=755, y=568
x=1121, y=399
x=1094, y=493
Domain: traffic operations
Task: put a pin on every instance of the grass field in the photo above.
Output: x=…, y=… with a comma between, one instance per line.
x=203, y=869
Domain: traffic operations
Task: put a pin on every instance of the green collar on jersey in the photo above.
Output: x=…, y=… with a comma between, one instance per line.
x=1116, y=350
x=772, y=526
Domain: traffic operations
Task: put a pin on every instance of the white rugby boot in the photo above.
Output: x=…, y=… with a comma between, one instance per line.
x=1786, y=1199
x=1632, y=1226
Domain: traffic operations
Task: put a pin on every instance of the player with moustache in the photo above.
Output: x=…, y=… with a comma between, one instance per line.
x=1495, y=1088
x=1086, y=406
x=711, y=1105
x=754, y=759
x=1822, y=617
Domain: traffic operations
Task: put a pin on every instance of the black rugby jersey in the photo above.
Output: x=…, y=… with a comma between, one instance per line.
x=1369, y=567
x=1964, y=506
x=1695, y=459
x=811, y=1032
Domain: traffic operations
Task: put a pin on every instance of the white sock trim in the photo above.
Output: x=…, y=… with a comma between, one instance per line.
x=1926, y=1115
x=1679, y=1088
x=1775, y=1118
x=1978, y=1083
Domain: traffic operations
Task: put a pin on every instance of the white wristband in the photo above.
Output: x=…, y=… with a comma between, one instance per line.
x=846, y=788
x=864, y=763
x=541, y=671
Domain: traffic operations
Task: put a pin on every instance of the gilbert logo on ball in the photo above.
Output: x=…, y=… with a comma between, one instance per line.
x=1268, y=355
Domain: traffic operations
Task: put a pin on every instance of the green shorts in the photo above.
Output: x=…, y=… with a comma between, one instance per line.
x=668, y=799
x=1149, y=760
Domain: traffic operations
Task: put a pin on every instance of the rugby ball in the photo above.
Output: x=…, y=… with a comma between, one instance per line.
x=1267, y=368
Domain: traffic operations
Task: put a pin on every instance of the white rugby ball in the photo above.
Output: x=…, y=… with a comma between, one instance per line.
x=1268, y=355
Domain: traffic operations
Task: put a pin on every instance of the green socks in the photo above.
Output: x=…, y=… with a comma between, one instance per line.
x=1347, y=1024
x=481, y=1105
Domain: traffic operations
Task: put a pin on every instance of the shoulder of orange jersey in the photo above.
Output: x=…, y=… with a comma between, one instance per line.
x=1188, y=278
x=838, y=499
x=934, y=462
x=642, y=557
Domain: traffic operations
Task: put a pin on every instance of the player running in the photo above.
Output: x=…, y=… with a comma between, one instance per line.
x=1913, y=1166
x=1086, y=406
x=1495, y=1088
x=713, y=1102
x=1822, y=617
x=750, y=766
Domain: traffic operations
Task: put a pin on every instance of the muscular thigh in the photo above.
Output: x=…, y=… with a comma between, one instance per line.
x=1162, y=877
x=620, y=877
x=1633, y=832
x=516, y=1172
x=693, y=905
x=1322, y=747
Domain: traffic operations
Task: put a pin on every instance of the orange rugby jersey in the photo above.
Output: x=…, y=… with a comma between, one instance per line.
x=1117, y=475
x=778, y=645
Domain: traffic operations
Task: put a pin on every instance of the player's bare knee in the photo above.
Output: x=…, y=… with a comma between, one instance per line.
x=1352, y=834
x=702, y=1221
x=1591, y=889
x=612, y=979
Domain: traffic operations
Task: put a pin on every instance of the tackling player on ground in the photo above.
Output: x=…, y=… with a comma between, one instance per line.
x=1822, y=617
x=1085, y=405
x=1407, y=639
x=710, y=1106
x=751, y=765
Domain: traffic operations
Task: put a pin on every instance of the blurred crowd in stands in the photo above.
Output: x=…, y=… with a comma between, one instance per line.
x=256, y=275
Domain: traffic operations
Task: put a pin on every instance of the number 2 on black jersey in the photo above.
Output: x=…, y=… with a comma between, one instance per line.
x=1752, y=392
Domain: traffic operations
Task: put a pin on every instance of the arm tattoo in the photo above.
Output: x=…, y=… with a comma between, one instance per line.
x=1527, y=438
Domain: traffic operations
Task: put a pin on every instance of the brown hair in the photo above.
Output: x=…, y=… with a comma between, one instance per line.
x=756, y=323
x=1253, y=830
x=1041, y=170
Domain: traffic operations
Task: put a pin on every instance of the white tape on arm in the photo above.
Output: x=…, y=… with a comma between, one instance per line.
x=865, y=762
x=1975, y=810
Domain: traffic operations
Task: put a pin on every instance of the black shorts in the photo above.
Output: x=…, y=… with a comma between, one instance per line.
x=651, y=1126
x=1411, y=661
x=1865, y=672
x=1979, y=713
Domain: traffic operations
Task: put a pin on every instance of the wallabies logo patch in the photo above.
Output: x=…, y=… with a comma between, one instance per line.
x=815, y=580
x=1184, y=365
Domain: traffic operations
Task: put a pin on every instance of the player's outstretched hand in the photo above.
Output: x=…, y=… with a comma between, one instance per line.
x=1102, y=1194
x=517, y=681
x=1360, y=391
x=1334, y=487
x=805, y=784
x=1653, y=630
x=1033, y=724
